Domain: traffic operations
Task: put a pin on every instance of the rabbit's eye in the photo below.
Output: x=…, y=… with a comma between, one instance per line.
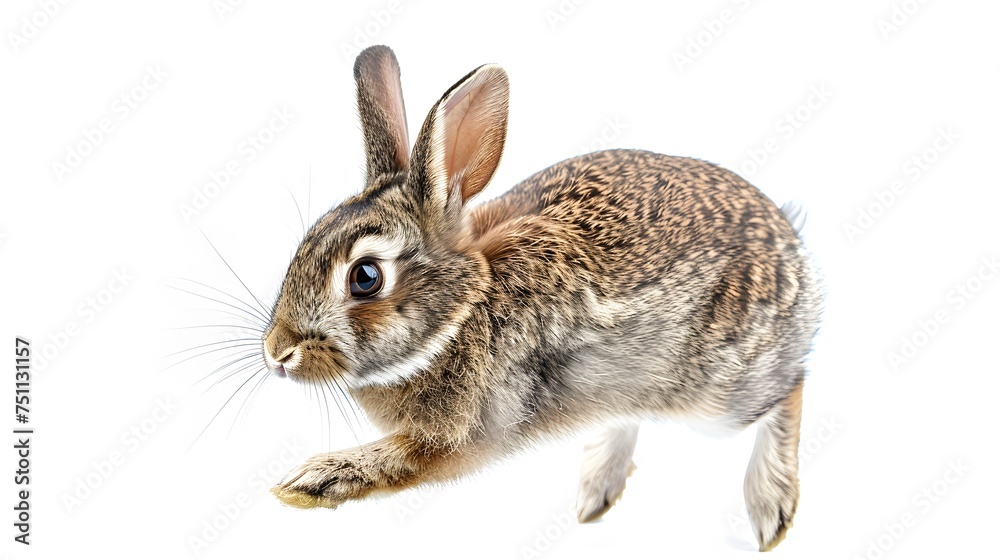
x=366, y=279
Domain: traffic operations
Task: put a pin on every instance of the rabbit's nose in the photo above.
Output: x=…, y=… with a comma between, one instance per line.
x=281, y=353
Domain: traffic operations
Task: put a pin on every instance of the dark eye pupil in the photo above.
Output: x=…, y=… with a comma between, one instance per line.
x=367, y=276
x=366, y=279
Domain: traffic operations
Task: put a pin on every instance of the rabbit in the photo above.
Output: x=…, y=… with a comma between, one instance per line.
x=610, y=288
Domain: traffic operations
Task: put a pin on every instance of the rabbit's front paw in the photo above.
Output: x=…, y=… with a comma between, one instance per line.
x=322, y=481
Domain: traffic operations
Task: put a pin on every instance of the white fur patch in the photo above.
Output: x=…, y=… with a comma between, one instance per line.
x=378, y=247
x=608, y=312
x=412, y=364
x=436, y=160
x=383, y=249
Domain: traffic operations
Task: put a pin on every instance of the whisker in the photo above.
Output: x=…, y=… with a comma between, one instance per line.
x=349, y=403
x=248, y=305
x=223, y=407
x=328, y=425
x=256, y=317
x=214, y=327
x=229, y=375
x=253, y=325
x=296, y=202
x=262, y=306
x=253, y=395
x=319, y=408
x=331, y=383
x=253, y=355
x=343, y=389
x=213, y=344
x=326, y=385
x=241, y=345
x=248, y=399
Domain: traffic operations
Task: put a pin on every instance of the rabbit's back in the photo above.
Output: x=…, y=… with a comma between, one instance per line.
x=667, y=280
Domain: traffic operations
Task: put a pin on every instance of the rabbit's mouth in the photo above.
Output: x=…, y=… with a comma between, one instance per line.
x=279, y=371
x=307, y=363
x=279, y=365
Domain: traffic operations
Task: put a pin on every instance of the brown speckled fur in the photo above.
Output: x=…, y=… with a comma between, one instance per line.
x=614, y=287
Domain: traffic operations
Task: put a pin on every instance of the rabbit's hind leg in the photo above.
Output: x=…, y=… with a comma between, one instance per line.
x=771, y=487
x=607, y=463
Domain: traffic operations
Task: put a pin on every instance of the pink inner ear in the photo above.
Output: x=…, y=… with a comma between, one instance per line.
x=474, y=119
x=392, y=104
x=460, y=132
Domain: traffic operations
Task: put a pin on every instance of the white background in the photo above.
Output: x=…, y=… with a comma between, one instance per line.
x=877, y=432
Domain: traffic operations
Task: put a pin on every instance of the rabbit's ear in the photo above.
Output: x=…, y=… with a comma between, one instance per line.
x=460, y=144
x=383, y=118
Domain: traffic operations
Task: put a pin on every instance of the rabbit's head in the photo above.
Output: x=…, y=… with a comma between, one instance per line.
x=379, y=284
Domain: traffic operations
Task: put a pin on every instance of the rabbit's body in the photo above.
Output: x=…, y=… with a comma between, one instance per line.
x=607, y=289
x=622, y=285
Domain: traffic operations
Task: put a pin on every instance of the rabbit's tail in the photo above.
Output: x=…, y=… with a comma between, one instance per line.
x=795, y=213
